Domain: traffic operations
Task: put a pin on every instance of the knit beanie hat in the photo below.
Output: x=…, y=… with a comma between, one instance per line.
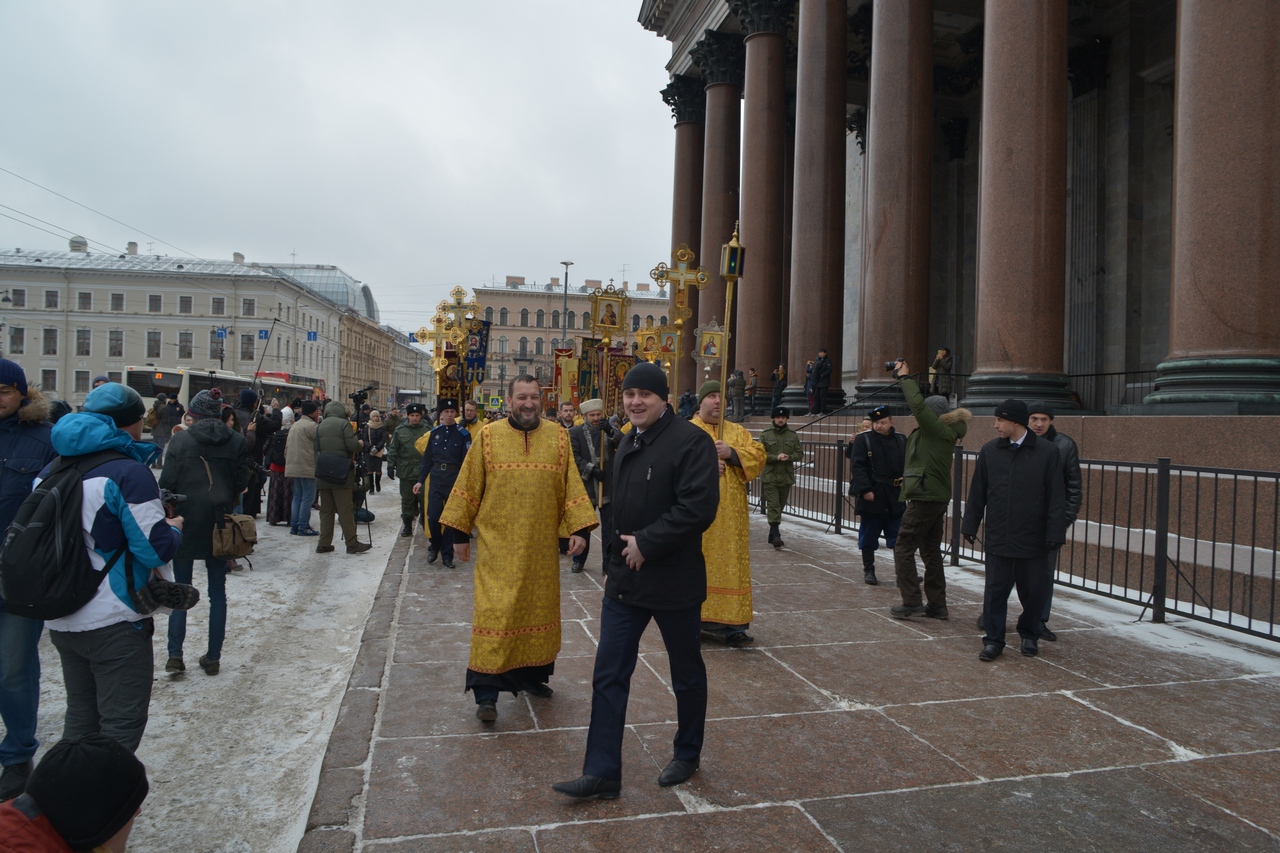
x=308, y=408
x=1013, y=410
x=711, y=386
x=119, y=402
x=98, y=380
x=11, y=374
x=375, y=419
x=647, y=377
x=248, y=399
x=939, y=404
x=89, y=788
x=206, y=404
x=1040, y=407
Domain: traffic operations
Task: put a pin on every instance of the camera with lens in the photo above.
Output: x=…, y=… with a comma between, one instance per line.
x=360, y=397
x=891, y=366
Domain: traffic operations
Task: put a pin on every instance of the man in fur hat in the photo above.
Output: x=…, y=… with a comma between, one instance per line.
x=594, y=444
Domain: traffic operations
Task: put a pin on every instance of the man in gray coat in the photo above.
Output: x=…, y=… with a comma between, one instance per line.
x=300, y=467
x=334, y=436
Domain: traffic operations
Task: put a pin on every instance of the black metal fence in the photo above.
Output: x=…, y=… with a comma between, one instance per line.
x=1197, y=542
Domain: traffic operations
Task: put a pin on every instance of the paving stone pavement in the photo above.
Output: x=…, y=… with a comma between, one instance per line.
x=840, y=729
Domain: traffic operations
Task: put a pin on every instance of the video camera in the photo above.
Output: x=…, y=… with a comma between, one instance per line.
x=171, y=501
x=891, y=366
x=359, y=398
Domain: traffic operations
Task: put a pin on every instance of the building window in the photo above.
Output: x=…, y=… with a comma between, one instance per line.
x=524, y=316
x=502, y=344
x=155, y=303
x=524, y=346
x=218, y=306
x=503, y=317
x=153, y=343
x=115, y=343
x=51, y=299
x=82, y=382
x=184, y=304
x=635, y=322
x=83, y=337
x=540, y=319
x=570, y=315
x=249, y=307
x=186, y=345
x=555, y=319
x=488, y=314
x=586, y=320
x=84, y=301
x=48, y=380
x=19, y=297
x=649, y=319
x=215, y=346
x=246, y=347
x=537, y=347
x=117, y=302
x=115, y=376
x=50, y=343
x=17, y=340
x=662, y=321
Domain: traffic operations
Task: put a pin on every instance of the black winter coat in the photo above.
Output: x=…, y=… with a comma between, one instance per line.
x=666, y=493
x=1070, y=459
x=876, y=463
x=1020, y=491
x=184, y=473
x=822, y=373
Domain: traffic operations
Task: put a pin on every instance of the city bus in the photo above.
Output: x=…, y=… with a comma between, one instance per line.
x=289, y=386
x=183, y=383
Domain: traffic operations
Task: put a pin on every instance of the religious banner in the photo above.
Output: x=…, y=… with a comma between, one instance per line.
x=589, y=370
x=614, y=364
x=451, y=378
x=477, y=351
x=566, y=375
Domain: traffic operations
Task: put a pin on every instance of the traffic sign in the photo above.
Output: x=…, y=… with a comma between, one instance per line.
x=264, y=334
x=313, y=336
x=222, y=334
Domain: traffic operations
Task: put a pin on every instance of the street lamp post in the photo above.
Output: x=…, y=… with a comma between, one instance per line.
x=222, y=344
x=564, y=314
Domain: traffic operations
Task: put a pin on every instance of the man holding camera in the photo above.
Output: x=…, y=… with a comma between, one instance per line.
x=443, y=450
x=403, y=461
x=926, y=489
x=594, y=443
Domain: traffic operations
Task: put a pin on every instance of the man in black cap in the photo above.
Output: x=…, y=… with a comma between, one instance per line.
x=443, y=450
x=1017, y=485
x=876, y=459
x=783, y=452
x=404, y=460
x=1040, y=421
x=667, y=479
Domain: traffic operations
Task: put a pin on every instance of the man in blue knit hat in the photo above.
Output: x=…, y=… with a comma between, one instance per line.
x=25, y=444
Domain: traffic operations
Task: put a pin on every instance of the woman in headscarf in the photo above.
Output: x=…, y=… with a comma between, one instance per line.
x=375, y=449
x=280, y=487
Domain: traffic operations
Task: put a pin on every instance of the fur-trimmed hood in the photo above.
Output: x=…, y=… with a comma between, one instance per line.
x=956, y=416
x=36, y=407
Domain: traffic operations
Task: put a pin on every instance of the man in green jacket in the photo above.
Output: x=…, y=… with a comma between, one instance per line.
x=335, y=436
x=926, y=488
x=403, y=460
x=783, y=452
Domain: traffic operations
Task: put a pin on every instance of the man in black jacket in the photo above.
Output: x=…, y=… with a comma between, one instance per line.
x=667, y=490
x=1041, y=423
x=1017, y=485
x=821, y=379
x=876, y=458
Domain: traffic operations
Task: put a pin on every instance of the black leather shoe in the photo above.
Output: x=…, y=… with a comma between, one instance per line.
x=738, y=639
x=990, y=652
x=487, y=711
x=590, y=788
x=576, y=567
x=676, y=772
x=432, y=553
x=447, y=561
x=1030, y=647
x=869, y=578
x=13, y=781
x=1046, y=634
x=537, y=688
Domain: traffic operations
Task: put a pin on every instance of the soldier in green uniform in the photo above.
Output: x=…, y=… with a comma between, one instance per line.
x=783, y=451
x=403, y=460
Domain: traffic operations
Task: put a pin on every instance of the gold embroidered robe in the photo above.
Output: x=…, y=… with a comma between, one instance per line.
x=725, y=545
x=522, y=492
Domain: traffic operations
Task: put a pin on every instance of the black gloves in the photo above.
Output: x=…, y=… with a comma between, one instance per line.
x=162, y=593
x=1053, y=546
x=970, y=539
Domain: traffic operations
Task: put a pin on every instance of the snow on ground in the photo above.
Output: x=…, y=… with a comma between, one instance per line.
x=233, y=759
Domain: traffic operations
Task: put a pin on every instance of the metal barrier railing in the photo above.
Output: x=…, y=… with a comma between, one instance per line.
x=1200, y=543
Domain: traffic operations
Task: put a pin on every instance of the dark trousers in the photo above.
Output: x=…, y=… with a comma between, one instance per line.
x=819, y=401
x=439, y=536
x=605, y=530
x=870, y=529
x=921, y=530
x=1048, y=586
x=107, y=673
x=621, y=626
x=1030, y=575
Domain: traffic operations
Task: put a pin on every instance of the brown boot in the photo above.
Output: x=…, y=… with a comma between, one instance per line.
x=358, y=547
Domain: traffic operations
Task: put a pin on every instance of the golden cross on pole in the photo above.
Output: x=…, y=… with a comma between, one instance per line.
x=682, y=275
x=731, y=255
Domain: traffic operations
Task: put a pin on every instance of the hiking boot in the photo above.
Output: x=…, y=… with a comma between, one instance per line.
x=773, y=533
x=486, y=711
x=937, y=612
x=13, y=781
x=358, y=547
x=869, y=577
x=175, y=665
x=210, y=667
x=904, y=611
x=323, y=549
x=406, y=528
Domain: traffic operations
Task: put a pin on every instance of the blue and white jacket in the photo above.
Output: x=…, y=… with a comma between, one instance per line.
x=121, y=507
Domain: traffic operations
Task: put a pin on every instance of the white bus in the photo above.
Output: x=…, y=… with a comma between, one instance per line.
x=183, y=383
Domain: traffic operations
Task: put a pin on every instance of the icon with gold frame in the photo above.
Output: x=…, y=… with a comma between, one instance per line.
x=608, y=310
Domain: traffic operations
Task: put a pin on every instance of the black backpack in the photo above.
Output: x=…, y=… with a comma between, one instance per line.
x=45, y=572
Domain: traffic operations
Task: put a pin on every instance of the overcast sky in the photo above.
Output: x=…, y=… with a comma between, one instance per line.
x=417, y=144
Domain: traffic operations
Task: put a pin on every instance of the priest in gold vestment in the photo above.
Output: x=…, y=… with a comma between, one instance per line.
x=520, y=487
x=727, y=611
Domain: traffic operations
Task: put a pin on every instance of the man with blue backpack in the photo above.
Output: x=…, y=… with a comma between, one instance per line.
x=26, y=448
x=105, y=645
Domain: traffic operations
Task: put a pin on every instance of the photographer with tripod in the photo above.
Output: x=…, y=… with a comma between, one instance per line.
x=336, y=442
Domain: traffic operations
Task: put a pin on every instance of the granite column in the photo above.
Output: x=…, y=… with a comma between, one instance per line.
x=687, y=99
x=1224, y=312
x=1022, y=206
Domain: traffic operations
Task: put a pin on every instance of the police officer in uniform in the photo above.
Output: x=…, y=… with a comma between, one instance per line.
x=403, y=460
x=442, y=460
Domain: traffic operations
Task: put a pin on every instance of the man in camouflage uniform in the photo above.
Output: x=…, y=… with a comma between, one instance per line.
x=403, y=460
